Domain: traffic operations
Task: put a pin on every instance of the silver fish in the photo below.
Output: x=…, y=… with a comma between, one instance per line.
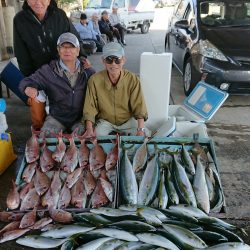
x=128, y=184
x=140, y=157
x=149, y=183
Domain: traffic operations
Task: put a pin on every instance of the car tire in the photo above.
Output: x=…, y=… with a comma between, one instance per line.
x=145, y=28
x=190, y=77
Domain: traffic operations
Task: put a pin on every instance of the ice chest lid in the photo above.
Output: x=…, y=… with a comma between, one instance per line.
x=205, y=100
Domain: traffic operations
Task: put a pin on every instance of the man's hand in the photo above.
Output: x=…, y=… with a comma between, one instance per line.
x=31, y=92
x=115, y=28
x=86, y=63
x=140, y=133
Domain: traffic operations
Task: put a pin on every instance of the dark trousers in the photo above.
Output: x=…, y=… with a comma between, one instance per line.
x=120, y=31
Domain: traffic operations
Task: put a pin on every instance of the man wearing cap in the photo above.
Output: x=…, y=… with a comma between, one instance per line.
x=87, y=34
x=115, y=21
x=107, y=29
x=64, y=81
x=114, y=99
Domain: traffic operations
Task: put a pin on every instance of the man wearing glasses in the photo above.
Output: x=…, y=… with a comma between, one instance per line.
x=114, y=99
x=65, y=82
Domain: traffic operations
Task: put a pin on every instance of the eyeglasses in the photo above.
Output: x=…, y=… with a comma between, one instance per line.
x=111, y=59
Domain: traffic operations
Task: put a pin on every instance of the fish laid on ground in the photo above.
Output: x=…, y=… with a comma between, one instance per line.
x=58, y=154
x=55, y=188
x=65, y=231
x=46, y=161
x=97, y=156
x=70, y=158
x=13, y=198
x=83, y=154
x=64, y=197
x=41, y=182
x=140, y=157
x=115, y=233
x=230, y=246
x=183, y=184
x=29, y=172
x=28, y=219
x=40, y=242
x=149, y=182
x=32, y=149
x=10, y=216
x=26, y=189
x=10, y=227
x=110, y=244
x=162, y=192
x=99, y=197
x=89, y=182
x=30, y=200
x=94, y=244
x=111, y=212
x=128, y=183
x=72, y=178
x=112, y=158
x=172, y=194
x=185, y=238
x=200, y=187
x=111, y=175
x=60, y=215
x=157, y=240
x=189, y=165
x=108, y=189
x=78, y=194
x=14, y=234
x=41, y=223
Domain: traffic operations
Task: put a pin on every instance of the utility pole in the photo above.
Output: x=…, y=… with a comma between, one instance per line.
x=3, y=44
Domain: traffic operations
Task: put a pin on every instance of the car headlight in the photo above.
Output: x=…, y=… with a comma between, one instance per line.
x=207, y=49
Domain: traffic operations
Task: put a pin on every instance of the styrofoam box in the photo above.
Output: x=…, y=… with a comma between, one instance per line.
x=188, y=129
x=3, y=123
x=183, y=114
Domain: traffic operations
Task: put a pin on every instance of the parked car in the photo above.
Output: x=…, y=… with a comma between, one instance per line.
x=210, y=39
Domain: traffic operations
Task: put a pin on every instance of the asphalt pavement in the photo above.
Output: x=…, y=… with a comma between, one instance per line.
x=229, y=128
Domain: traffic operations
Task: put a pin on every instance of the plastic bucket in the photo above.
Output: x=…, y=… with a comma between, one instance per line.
x=11, y=77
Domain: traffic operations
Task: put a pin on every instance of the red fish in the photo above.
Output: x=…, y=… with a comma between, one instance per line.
x=65, y=197
x=41, y=182
x=89, y=182
x=10, y=227
x=26, y=189
x=13, y=198
x=73, y=177
x=59, y=215
x=78, y=194
x=70, y=158
x=97, y=156
x=28, y=219
x=83, y=154
x=46, y=160
x=99, y=197
x=41, y=223
x=112, y=158
x=32, y=149
x=30, y=200
x=60, y=149
x=14, y=234
x=29, y=172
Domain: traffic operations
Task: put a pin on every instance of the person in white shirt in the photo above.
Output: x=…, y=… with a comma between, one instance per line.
x=115, y=21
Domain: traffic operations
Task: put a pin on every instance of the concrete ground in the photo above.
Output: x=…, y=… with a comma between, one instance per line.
x=229, y=128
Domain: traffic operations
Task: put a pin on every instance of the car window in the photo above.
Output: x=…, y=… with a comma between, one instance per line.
x=225, y=13
x=181, y=9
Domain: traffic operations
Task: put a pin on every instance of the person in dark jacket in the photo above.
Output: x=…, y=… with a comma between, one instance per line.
x=36, y=29
x=64, y=81
x=107, y=29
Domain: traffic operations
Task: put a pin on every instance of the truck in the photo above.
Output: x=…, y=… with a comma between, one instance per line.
x=135, y=14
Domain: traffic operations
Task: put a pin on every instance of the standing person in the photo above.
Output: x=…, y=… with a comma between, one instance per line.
x=36, y=29
x=87, y=33
x=114, y=99
x=115, y=21
x=65, y=82
x=107, y=29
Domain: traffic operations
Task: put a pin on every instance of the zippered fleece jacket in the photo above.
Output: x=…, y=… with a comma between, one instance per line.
x=65, y=103
x=35, y=42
